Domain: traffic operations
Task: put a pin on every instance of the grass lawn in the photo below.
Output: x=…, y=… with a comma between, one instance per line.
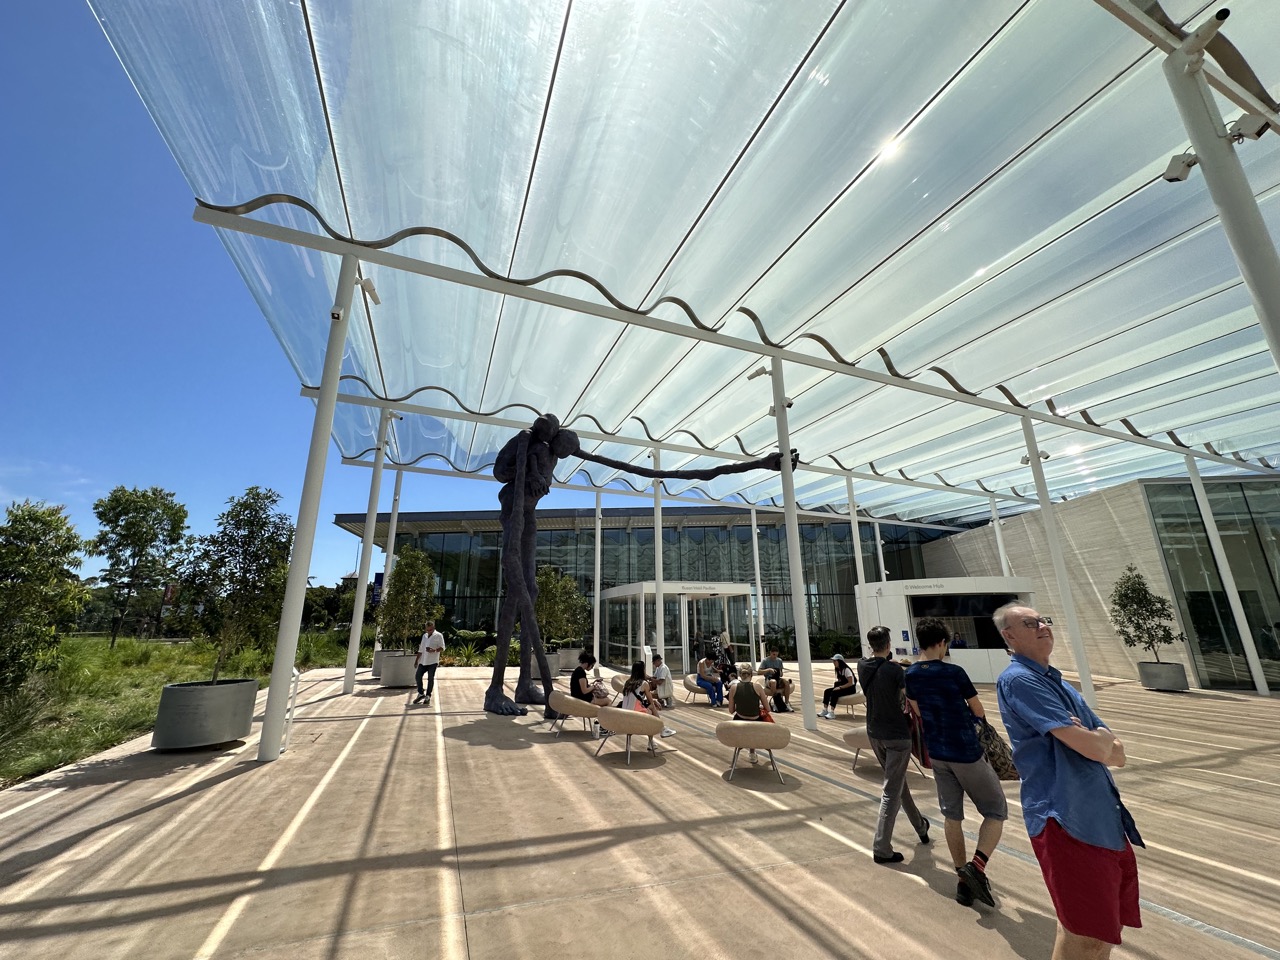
x=99, y=697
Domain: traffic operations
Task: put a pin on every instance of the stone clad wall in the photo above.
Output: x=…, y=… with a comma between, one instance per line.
x=1101, y=532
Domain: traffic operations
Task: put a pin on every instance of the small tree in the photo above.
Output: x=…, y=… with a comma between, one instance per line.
x=39, y=590
x=236, y=576
x=1141, y=617
x=562, y=611
x=141, y=533
x=410, y=600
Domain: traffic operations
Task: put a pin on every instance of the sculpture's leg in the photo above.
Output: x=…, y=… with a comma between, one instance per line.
x=495, y=698
x=530, y=636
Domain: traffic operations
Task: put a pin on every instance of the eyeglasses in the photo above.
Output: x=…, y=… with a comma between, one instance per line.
x=1032, y=622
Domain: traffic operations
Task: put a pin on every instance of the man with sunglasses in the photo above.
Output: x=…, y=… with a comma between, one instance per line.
x=1080, y=830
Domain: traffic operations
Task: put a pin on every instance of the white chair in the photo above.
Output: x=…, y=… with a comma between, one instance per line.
x=753, y=735
x=629, y=723
x=570, y=706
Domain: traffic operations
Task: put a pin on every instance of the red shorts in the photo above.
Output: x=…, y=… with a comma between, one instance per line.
x=1094, y=890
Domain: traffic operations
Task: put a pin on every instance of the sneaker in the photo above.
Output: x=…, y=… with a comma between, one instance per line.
x=964, y=896
x=978, y=883
x=668, y=732
x=891, y=858
x=924, y=834
x=419, y=698
x=752, y=757
x=426, y=701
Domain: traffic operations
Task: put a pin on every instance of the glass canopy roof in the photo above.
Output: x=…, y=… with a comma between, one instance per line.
x=967, y=196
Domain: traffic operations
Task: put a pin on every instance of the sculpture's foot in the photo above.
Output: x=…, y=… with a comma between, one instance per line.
x=528, y=693
x=502, y=705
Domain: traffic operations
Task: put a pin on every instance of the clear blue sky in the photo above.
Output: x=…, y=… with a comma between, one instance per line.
x=131, y=351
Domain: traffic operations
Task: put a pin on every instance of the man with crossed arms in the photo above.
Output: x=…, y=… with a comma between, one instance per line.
x=1080, y=830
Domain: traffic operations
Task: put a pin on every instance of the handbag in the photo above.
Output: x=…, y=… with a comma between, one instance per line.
x=919, y=749
x=995, y=749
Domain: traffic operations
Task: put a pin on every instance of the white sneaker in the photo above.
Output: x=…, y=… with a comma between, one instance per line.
x=828, y=715
x=668, y=732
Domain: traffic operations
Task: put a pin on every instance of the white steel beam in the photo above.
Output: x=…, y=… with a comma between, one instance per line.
x=441, y=413
x=659, y=626
x=645, y=495
x=1005, y=569
x=327, y=244
x=390, y=548
x=1054, y=542
x=755, y=559
x=858, y=565
x=795, y=568
x=595, y=630
x=304, y=534
x=366, y=557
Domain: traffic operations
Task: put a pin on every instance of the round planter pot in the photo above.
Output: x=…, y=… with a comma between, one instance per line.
x=398, y=669
x=202, y=714
x=1163, y=676
x=569, y=657
x=377, y=660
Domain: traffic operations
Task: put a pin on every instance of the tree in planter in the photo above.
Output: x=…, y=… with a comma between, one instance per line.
x=1141, y=618
x=39, y=589
x=409, y=601
x=236, y=576
x=561, y=610
x=141, y=532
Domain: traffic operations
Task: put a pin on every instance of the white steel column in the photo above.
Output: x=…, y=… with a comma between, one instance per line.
x=1237, y=209
x=595, y=629
x=1228, y=579
x=390, y=548
x=755, y=558
x=800, y=609
x=304, y=535
x=659, y=641
x=366, y=555
x=884, y=573
x=995, y=525
x=1072, y=625
x=858, y=566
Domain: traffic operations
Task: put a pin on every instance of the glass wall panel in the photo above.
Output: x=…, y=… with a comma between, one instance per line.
x=470, y=578
x=1248, y=520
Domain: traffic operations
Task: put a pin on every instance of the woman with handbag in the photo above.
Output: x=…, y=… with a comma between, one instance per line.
x=636, y=695
x=582, y=688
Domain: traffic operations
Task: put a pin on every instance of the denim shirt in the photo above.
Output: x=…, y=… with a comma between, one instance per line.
x=1057, y=781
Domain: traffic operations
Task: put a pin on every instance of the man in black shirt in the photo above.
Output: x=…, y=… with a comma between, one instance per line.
x=883, y=684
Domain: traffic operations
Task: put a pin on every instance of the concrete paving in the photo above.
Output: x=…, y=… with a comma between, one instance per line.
x=389, y=830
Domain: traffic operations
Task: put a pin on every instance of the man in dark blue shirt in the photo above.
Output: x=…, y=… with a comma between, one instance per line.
x=890, y=736
x=1080, y=830
x=948, y=703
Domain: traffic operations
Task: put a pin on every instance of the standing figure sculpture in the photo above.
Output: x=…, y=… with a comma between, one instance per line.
x=525, y=466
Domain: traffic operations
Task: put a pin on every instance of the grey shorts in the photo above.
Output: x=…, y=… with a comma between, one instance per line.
x=977, y=781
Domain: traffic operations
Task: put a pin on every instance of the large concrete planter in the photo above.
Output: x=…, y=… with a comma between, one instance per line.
x=398, y=669
x=377, y=660
x=553, y=664
x=1162, y=676
x=202, y=714
x=569, y=657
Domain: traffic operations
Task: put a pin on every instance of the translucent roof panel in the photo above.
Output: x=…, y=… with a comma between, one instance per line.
x=963, y=198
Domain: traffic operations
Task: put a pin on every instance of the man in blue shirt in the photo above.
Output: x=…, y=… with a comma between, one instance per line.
x=1080, y=830
x=947, y=702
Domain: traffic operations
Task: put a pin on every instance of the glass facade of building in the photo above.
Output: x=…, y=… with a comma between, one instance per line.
x=1247, y=514
x=698, y=544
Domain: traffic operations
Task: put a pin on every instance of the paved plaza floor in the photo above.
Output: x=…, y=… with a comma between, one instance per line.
x=389, y=830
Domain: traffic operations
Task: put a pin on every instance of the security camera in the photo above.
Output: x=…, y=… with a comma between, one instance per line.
x=1249, y=127
x=366, y=284
x=1179, y=167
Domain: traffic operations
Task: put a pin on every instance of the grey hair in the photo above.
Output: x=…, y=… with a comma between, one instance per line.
x=1001, y=616
x=744, y=671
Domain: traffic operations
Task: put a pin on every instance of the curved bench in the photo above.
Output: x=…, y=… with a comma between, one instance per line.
x=858, y=740
x=753, y=735
x=570, y=706
x=628, y=723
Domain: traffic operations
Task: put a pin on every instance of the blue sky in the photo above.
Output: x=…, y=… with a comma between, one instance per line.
x=132, y=353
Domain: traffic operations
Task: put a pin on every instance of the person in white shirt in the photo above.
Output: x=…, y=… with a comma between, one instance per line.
x=427, y=660
x=661, y=683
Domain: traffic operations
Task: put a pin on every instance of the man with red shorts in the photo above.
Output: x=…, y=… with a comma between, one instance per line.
x=1080, y=830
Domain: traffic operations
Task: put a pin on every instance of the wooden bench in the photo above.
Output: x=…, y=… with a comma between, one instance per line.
x=629, y=723
x=570, y=706
x=753, y=735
